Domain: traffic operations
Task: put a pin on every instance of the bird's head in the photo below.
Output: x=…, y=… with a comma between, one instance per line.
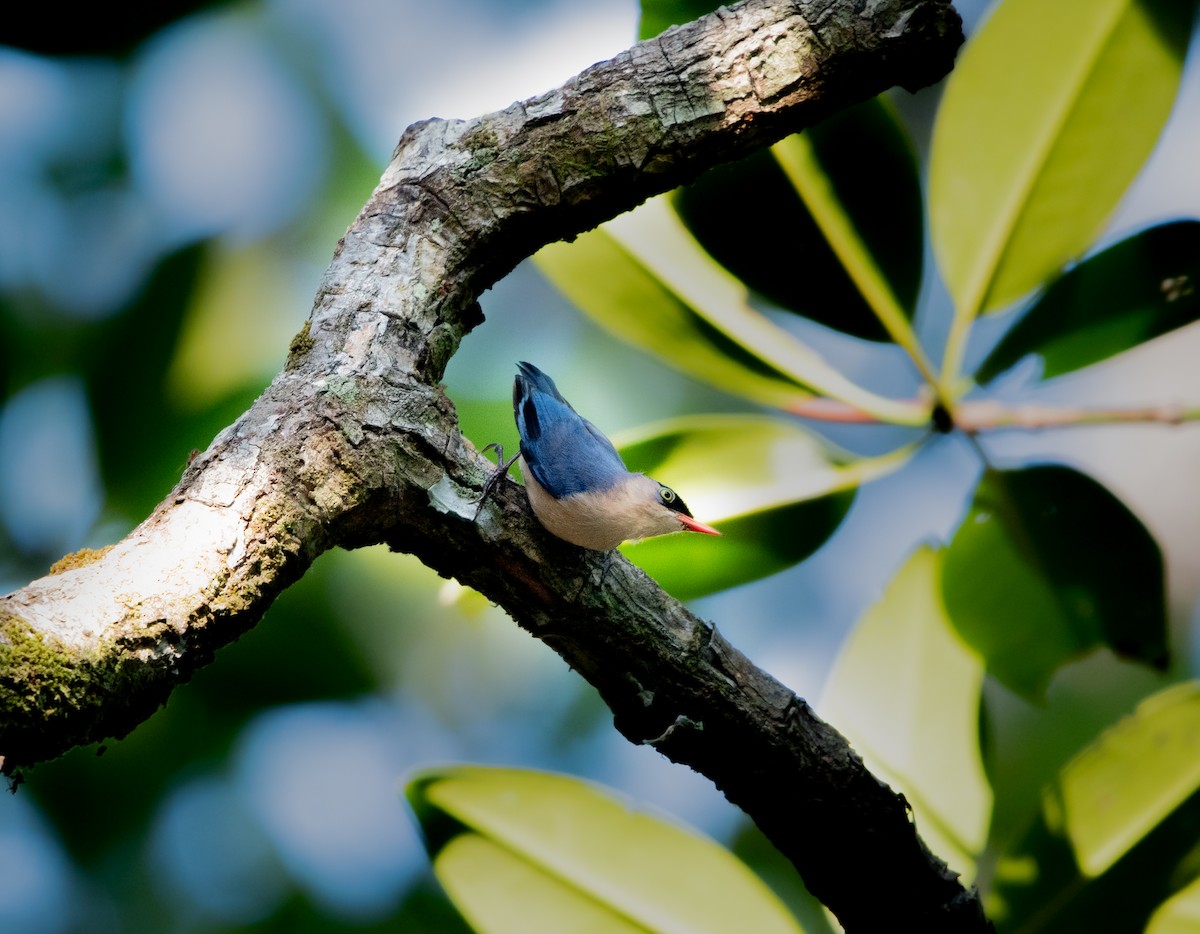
x=653, y=508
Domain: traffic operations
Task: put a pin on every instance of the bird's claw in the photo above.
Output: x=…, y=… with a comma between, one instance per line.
x=501, y=469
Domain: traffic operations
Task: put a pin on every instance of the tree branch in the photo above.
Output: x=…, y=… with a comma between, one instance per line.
x=355, y=443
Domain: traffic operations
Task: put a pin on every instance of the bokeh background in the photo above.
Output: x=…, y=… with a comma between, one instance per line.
x=170, y=192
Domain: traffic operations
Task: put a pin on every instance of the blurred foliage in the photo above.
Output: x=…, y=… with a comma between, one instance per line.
x=646, y=278
x=989, y=681
x=504, y=840
x=163, y=372
x=1046, y=565
x=1023, y=186
x=94, y=30
x=841, y=201
x=659, y=15
x=1033, y=580
x=906, y=692
x=1117, y=831
x=776, y=493
x=1132, y=292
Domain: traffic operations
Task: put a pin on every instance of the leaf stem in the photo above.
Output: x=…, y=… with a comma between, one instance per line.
x=952, y=357
x=987, y=415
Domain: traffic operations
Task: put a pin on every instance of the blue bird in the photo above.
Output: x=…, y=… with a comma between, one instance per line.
x=577, y=484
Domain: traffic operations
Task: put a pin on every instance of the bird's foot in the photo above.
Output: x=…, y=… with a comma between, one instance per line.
x=501, y=469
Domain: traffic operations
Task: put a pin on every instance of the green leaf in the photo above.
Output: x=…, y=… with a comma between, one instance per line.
x=1046, y=565
x=645, y=278
x=1028, y=745
x=525, y=852
x=754, y=194
x=774, y=490
x=1131, y=779
x=1117, y=836
x=660, y=15
x=1136, y=290
x=605, y=281
x=1046, y=119
x=857, y=174
x=905, y=691
x=1180, y=914
x=841, y=201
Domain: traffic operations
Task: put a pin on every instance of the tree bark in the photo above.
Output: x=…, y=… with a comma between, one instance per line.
x=354, y=443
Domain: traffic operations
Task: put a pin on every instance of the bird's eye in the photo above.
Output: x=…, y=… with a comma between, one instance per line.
x=671, y=500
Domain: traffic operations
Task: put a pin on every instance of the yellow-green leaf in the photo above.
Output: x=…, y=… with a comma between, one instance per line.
x=523, y=852
x=775, y=490
x=1114, y=846
x=1179, y=914
x=905, y=691
x=1049, y=114
x=606, y=282
x=1127, y=782
x=502, y=894
x=836, y=216
x=645, y=278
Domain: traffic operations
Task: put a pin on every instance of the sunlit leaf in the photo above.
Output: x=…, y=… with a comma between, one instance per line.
x=1117, y=836
x=660, y=15
x=606, y=281
x=1046, y=565
x=905, y=691
x=1128, y=781
x=1138, y=289
x=1047, y=117
x=1029, y=744
x=644, y=277
x=657, y=236
x=526, y=852
x=774, y=490
x=1180, y=914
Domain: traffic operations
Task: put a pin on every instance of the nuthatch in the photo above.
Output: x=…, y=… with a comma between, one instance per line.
x=577, y=484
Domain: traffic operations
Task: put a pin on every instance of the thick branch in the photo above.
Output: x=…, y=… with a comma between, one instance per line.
x=354, y=443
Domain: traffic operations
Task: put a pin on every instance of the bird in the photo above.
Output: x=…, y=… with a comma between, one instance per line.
x=577, y=483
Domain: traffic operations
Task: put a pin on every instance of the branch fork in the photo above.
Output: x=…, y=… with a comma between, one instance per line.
x=355, y=443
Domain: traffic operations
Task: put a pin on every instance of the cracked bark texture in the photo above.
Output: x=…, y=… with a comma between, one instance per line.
x=355, y=443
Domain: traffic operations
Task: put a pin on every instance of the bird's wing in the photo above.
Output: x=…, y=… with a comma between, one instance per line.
x=565, y=452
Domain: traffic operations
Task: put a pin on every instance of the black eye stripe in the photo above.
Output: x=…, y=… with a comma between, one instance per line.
x=672, y=500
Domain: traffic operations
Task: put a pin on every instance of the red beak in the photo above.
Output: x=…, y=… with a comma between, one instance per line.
x=691, y=525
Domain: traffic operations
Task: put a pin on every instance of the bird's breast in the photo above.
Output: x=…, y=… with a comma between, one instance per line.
x=602, y=519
